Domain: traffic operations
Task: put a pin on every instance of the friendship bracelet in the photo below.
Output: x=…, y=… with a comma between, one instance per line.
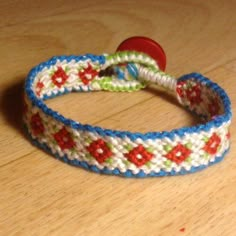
x=124, y=153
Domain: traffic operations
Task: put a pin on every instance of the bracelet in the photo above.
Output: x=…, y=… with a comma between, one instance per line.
x=124, y=153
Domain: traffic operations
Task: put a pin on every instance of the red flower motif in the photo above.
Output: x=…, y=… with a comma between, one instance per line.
x=190, y=91
x=214, y=107
x=194, y=94
x=63, y=139
x=87, y=74
x=139, y=156
x=59, y=77
x=212, y=144
x=178, y=154
x=39, y=87
x=37, y=124
x=99, y=150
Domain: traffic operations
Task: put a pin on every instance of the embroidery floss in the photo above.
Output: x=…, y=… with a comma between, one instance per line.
x=123, y=153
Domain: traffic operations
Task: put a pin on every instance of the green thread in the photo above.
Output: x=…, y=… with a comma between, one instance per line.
x=110, y=146
x=88, y=156
x=205, y=139
x=54, y=142
x=109, y=160
x=109, y=57
x=106, y=84
x=54, y=127
x=189, y=145
x=148, y=164
x=188, y=160
x=127, y=163
x=128, y=147
x=80, y=68
x=150, y=149
x=73, y=151
x=51, y=73
x=167, y=148
x=88, y=140
x=206, y=156
x=167, y=163
x=67, y=69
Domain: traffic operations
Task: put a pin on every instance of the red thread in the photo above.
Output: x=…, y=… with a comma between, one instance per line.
x=139, y=156
x=194, y=94
x=214, y=107
x=88, y=74
x=59, y=77
x=37, y=124
x=178, y=154
x=99, y=150
x=63, y=139
x=180, y=88
x=39, y=87
x=212, y=144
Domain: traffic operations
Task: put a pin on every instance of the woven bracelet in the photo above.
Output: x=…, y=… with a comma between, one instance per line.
x=124, y=153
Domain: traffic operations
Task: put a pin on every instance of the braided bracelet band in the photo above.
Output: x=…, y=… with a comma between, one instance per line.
x=179, y=151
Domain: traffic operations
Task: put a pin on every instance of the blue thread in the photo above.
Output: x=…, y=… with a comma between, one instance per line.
x=119, y=73
x=133, y=71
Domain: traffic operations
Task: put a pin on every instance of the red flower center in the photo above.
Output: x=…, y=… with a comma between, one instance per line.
x=139, y=156
x=88, y=74
x=59, y=77
x=99, y=150
x=64, y=139
x=178, y=154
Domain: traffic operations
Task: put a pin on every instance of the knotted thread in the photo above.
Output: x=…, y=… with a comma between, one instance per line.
x=124, y=153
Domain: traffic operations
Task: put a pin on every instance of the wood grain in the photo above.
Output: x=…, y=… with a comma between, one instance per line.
x=43, y=196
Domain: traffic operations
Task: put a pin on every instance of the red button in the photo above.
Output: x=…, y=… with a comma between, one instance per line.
x=145, y=45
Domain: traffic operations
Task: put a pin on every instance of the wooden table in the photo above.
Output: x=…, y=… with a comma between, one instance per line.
x=43, y=196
